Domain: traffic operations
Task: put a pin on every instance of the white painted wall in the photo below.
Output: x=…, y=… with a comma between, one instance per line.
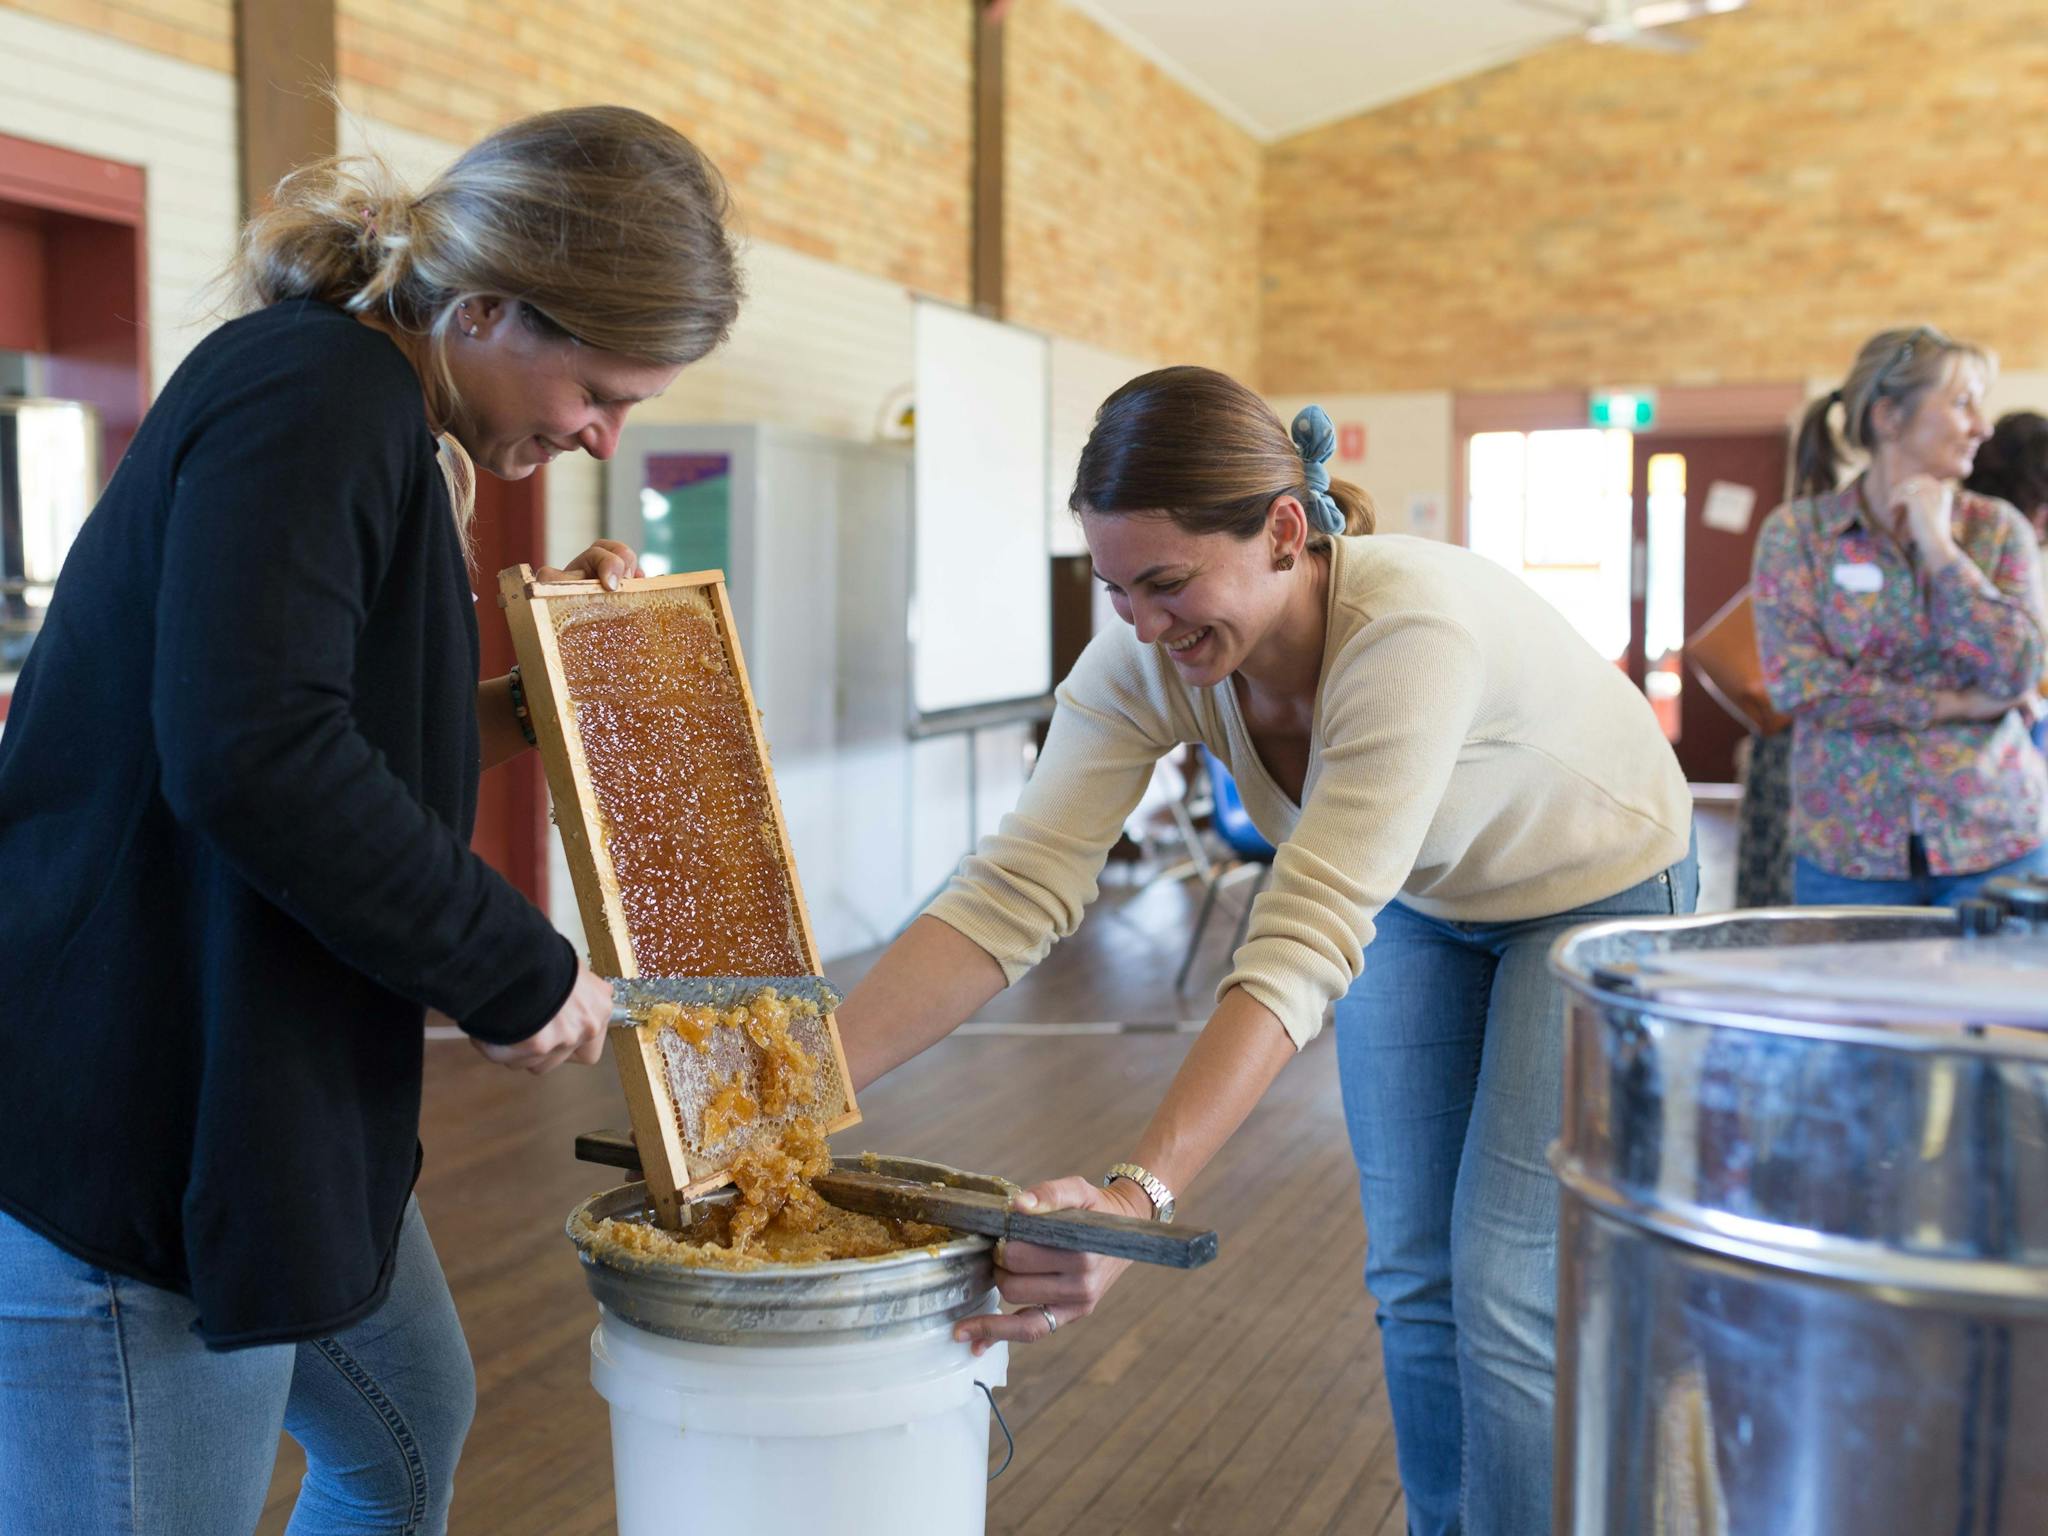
x=2019, y=391
x=76, y=90
x=1409, y=451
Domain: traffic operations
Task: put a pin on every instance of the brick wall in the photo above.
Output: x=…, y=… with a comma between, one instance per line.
x=1751, y=211
x=844, y=128
x=197, y=31
x=1132, y=209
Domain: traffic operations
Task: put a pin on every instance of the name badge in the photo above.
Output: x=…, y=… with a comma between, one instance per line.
x=1859, y=576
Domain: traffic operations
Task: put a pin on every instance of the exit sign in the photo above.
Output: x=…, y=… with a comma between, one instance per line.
x=1633, y=409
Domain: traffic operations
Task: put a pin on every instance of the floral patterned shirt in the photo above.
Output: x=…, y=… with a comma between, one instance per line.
x=1856, y=640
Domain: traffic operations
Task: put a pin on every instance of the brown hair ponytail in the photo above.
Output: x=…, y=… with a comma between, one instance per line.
x=1204, y=450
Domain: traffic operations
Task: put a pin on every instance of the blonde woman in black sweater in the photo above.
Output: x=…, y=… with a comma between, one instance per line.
x=239, y=779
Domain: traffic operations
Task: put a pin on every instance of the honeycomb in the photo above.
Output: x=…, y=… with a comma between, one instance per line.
x=682, y=795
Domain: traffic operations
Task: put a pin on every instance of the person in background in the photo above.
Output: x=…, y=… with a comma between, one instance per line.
x=1899, y=626
x=2013, y=466
x=1451, y=776
x=1723, y=654
x=236, y=795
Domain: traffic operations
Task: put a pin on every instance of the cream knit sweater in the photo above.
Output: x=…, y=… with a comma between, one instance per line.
x=1470, y=754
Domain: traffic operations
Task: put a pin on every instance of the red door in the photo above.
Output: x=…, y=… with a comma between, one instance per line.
x=1688, y=563
x=74, y=284
x=512, y=805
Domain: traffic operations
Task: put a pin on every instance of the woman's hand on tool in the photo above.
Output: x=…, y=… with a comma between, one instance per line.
x=576, y=1033
x=1049, y=1286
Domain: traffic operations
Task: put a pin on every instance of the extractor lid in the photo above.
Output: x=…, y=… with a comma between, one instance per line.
x=1994, y=979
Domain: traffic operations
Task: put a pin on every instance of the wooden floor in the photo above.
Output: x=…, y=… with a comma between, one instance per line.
x=1244, y=1398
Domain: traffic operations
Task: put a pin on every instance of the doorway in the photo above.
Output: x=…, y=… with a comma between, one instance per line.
x=1637, y=538
x=1698, y=501
x=73, y=328
x=1553, y=507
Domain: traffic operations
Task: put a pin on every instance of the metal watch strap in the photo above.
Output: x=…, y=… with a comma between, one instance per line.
x=1154, y=1187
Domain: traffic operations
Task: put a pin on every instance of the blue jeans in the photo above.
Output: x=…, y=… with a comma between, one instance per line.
x=1450, y=1052
x=115, y=1418
x=1816, y=887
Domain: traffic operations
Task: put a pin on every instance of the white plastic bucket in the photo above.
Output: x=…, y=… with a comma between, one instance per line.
x=847, y=1437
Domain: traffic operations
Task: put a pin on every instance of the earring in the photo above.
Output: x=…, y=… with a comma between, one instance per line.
x=1284, y=563
x=463, y=309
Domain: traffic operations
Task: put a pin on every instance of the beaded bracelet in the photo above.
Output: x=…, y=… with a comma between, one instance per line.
x=519, y=709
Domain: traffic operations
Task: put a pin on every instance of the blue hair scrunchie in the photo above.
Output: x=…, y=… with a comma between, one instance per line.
x=1315, y=439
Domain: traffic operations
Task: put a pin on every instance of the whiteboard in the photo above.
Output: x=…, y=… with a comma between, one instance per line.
x=981, y=600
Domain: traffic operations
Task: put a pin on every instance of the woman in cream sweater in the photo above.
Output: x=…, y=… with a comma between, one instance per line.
x=1451, y=776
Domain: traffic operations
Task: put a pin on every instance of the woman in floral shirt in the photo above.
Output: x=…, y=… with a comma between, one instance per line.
x=1900, y=626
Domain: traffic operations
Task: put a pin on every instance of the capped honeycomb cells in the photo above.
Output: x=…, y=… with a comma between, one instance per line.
x=687, y=813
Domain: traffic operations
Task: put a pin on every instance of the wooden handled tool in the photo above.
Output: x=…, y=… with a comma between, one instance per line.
x=967, y=1210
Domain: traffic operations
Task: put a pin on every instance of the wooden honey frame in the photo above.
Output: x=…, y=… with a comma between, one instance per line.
x=642, y=1073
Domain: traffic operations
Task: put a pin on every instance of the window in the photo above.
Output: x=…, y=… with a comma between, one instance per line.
x=1554, y=507
x=1664, y=589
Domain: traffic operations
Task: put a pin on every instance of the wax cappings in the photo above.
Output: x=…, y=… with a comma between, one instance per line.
x=728, y=1069
x=772, y=1217
x=774, y=1214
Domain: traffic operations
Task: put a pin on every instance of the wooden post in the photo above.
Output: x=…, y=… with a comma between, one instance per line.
x=988, y=158
x=284, y=67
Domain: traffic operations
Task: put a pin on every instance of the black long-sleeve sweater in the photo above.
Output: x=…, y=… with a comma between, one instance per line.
x=237, y=785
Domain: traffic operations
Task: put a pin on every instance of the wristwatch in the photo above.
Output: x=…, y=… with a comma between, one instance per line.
x=1154, y=1187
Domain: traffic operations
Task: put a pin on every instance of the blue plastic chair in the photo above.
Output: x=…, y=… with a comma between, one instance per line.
x=1246, y=843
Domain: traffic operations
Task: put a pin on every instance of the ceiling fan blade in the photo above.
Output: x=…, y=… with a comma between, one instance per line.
x=1630, y=25
x=1664, y=13
x=1569, y=12
x=1645, y=42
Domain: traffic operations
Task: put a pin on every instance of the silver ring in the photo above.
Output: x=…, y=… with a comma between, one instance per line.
x=1052, y=1324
